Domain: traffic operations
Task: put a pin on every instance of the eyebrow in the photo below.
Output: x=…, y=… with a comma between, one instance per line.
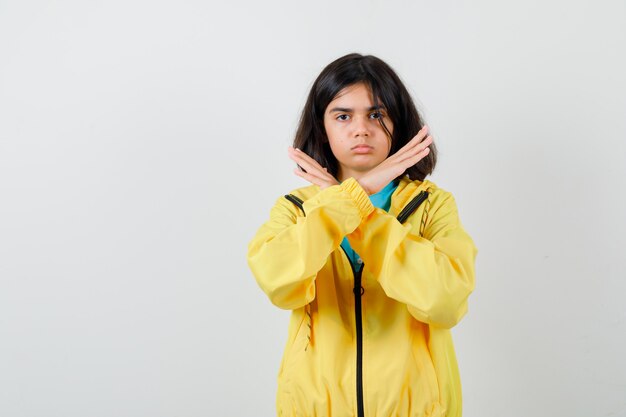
x=347, y=110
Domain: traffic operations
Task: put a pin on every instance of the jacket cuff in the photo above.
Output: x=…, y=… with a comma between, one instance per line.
x=360, y=197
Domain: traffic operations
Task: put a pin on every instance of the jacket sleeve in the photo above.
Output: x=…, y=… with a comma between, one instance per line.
x=434, y=274
x=287, y=251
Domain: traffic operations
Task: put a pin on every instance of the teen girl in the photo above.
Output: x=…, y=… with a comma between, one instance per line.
x=371, y=258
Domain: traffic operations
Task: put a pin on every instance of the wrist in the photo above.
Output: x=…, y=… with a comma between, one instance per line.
x=359, y=195
x=364, y=186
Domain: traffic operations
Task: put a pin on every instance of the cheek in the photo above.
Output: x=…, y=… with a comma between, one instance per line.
x=336, y=145
x=331, y=130
x=331, y=133
x=387, y=144
x=334, y=137
x=388, y=139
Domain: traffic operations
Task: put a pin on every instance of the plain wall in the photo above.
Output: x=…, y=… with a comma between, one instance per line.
x=142, y=144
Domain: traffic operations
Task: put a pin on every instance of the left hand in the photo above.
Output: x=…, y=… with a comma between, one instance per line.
x=315, y=173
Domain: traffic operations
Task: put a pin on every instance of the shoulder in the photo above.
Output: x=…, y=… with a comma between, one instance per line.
x=304, y=193
x=439, y=203
x=437, y=213
x=287, y=208
x=408, y=189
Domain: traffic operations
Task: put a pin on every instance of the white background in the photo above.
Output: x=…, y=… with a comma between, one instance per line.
x=142, y=143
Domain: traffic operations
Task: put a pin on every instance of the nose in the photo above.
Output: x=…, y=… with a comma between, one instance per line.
x=361, y=127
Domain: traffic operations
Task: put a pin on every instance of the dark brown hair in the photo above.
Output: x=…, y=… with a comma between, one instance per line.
x=385, y=86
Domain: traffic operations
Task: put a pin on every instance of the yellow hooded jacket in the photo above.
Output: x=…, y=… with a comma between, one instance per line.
x=371, y=341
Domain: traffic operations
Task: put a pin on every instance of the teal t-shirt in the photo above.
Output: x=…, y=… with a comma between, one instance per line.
x=381, y=199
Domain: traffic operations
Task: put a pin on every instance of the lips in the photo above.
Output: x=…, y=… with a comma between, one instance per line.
x=362, y=148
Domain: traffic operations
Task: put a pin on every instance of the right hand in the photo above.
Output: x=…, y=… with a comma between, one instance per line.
x=315, y=173
x=409, y=155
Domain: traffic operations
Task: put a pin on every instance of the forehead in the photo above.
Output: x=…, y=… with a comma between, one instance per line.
x=356, y=97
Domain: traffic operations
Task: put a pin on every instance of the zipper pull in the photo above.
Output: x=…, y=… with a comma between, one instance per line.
x=355, y=290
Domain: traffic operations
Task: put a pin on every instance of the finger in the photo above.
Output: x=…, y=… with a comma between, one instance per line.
x=416, y=149
x=423, y=133
x=311, y=165
x=417, y=139
x=305, y=157
x=312, y=168
x=302, y=167
x=310, y=178
x=415, y=159
x=311, y=172
x=321, y=182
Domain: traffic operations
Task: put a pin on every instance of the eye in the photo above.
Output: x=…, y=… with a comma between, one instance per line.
x=377, y=114
x=342, y=115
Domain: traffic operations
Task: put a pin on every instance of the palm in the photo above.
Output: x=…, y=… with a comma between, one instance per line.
x=315, y=173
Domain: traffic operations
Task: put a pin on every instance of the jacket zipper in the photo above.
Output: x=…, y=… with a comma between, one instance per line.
x=358, y=291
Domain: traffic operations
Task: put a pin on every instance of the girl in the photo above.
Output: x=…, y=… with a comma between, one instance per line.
x=371, y=258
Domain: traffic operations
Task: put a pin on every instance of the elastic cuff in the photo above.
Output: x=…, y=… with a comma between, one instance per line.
x=360, y=197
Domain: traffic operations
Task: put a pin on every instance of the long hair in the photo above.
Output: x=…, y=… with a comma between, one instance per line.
x=385, y=86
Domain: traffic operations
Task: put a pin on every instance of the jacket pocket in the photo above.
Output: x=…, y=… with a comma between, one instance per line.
x=296, y=341
x=426, y=380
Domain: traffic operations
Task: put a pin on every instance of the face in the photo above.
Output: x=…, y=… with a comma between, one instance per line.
x=356, y=138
